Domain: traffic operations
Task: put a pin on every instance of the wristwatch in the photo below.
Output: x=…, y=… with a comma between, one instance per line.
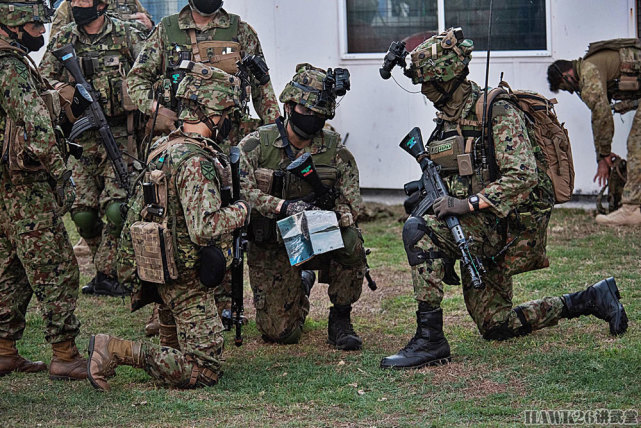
x=474, y=201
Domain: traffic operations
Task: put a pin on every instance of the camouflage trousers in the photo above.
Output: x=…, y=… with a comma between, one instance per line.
x=96, y=189
x=193, y=309
x=632, y=189
x=491, y=307
x=35, y=257
x=280, y=301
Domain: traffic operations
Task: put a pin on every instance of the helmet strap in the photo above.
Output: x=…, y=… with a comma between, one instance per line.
x=15, y=36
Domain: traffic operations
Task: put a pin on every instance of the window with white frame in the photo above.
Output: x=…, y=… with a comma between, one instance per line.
x=519, y=26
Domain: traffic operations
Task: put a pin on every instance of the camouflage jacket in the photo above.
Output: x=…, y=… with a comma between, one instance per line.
x=150, y=68
x=264, y=149
x=124, y=10
x=522, y=183
x=195, y=213
x=111, y=54
x=20, y=100
x=597, y=75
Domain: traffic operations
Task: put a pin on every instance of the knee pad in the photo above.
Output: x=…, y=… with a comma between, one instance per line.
x=114, y=216
x=88, y=223
x=415, y=228
x=212, y=266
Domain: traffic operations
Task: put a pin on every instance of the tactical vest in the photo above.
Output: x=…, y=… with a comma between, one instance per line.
x=272, y=176
x=14, y=142
x=178, y=249
x=105, y=66
x=628, y=85
x=218, y=47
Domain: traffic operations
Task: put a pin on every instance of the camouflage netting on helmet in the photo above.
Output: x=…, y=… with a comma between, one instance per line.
x=441, y=58
x=16, y=13
x=306, y=88
x=210, y=88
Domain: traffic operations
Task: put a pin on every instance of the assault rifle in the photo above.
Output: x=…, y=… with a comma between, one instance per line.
x=323, y=197
x=431, y=188
x=240, y=246
x=94, y=117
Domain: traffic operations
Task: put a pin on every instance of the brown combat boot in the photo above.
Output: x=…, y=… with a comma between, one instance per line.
x=11, y=361
x=67, y=364
x=106, y=353
x=169, y=336
x=627, y=215
x=152, y=328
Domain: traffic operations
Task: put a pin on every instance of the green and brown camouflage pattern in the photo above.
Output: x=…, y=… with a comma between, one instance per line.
x=305, y=88
x=20, y=12
x=121, y=9
x=447, y=63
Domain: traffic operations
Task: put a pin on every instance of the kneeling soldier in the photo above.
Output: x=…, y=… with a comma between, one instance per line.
x=281, y=291
x=177, y=219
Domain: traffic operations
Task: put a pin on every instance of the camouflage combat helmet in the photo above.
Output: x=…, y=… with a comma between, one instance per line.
x=15, y=13
x=441, y=58
x=307, y=88
x=209, y=88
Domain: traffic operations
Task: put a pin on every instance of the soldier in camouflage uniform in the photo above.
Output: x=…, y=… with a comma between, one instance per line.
x=609, y=72
x=195, y=170
x=281, y=300
x=106, y=48
x=125, y=10
x=36, y=190
x=201, y=32
x=513, y=197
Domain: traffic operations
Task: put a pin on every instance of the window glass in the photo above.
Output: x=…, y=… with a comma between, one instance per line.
x=373, y=24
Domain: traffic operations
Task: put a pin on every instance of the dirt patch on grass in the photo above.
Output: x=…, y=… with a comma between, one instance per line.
x=476, y=380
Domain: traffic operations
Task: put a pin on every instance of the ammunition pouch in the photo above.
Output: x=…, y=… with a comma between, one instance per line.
x=264, y=179
x=445, y=154
x=14, y=149
x=297, y=188
x=262, y=230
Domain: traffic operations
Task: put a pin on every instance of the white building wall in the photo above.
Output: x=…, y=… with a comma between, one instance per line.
x=377, y=114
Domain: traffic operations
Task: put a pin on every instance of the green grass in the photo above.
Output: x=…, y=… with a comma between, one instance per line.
x=575, y=365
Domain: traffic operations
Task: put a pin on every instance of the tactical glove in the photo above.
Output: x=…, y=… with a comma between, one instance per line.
x=165, y=122
x=448, y=205
x=65, y=193
x=292, y=207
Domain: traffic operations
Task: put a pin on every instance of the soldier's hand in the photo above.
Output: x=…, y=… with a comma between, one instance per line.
x=603, y=170
x=65, y=193
x=448, y=205
x=144, y=20
x=165, y=122
x=294, y=207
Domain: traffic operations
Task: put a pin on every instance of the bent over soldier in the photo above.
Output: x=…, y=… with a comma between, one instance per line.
x=186, y=176
x=106, y=48
x=611, y=70
x=125, y=10
x=509, y=195
x=35, y=191
x=280, y=296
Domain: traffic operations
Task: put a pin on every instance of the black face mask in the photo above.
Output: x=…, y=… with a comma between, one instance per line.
x=85, y=15
x=306, y=126
x=32, y=44
x=206, y=7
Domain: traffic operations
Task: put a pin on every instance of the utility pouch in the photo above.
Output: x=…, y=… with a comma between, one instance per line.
x=14, y=149
x=262, y=230
x=628, y=83
x=526, y=242
x=264, y=179
x=445, y=153
x=52, y=100
x=127, y=103
x=297, y=188
x=154, y=252
x=221, y=54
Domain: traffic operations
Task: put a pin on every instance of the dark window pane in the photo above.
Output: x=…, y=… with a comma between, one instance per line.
x=373, y=24
x=517, y=24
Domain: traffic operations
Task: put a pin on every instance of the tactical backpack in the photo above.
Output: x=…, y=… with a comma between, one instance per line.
x=550, y=135
x=628, y=85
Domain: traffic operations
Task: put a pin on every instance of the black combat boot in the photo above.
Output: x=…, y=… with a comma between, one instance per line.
x=307, y=280
x=428, y=347
x=90, y=287
x=105, y=285
x=340, y=332
x=600, y=300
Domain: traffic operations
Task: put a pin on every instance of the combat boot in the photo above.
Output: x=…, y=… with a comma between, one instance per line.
x=307, y=280
x=152, y=328
x=428, y=347
x=90, y=287
x=600, y=300
x=340, y=332
x=627, y=215
x=11, y=361
x=106, y=353
x=67, y=364
x=169, y=336
x=108, y=286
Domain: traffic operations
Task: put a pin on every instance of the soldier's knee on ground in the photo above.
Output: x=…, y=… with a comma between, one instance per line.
x=287, y=338
x=504, y=331
x=87, y=222
x=114, y=217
